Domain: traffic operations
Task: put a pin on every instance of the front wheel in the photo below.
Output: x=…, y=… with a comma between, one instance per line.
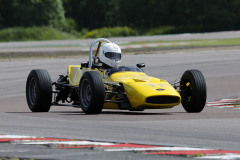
x=91, y=92
x=39, y=90
x=193, y=91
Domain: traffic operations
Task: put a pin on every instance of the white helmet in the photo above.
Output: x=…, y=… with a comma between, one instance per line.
x=110, y=54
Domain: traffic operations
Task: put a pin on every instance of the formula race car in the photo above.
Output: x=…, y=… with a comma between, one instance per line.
x=101, y=83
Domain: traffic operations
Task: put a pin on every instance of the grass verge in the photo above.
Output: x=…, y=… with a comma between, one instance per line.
x=212, y=42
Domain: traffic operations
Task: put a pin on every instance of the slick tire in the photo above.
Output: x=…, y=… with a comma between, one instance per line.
x=193, y=91
x=39, y=91
x=91, y=92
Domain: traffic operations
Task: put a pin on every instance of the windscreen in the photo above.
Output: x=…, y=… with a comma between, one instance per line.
x=123, y=69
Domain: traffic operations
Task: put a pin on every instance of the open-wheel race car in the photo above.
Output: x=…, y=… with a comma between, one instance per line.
x=101, y=83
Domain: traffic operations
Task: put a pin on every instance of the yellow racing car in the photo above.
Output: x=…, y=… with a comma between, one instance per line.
x=101, y=83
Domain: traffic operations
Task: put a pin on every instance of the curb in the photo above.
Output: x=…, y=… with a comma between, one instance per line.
x=63, y=143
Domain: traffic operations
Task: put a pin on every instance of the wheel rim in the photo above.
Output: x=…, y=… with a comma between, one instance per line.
x=187, y=93
x=32, y=91
x=85, y=93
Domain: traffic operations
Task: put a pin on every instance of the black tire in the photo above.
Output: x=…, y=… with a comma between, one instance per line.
x=91, y=92
x=193, y=91
x=39, y=91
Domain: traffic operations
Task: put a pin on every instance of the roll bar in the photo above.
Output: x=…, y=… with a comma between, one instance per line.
x=100, y=40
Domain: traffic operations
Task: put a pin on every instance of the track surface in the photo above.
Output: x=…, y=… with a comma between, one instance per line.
x=83, y=44
x=213, y=128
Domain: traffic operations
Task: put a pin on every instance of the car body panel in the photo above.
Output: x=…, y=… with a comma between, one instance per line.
x=138, y=87
x=74, y=73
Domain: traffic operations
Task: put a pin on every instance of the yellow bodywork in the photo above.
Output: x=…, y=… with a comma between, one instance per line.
x=137, y=85
x=75, y=74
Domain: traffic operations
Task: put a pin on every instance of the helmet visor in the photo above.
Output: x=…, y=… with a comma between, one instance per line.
x=113, y=55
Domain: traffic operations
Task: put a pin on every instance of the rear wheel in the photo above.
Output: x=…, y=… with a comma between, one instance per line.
x=39, y=91
x=193, y=91
x=91, y=92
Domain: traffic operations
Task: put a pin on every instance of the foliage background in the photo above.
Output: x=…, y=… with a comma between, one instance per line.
x=107, y=18
x=184, y=15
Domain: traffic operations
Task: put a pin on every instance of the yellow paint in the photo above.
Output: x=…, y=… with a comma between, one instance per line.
x=74, y=73
x=138, y=86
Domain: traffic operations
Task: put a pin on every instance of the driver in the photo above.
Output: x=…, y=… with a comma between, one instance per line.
x=110, y=55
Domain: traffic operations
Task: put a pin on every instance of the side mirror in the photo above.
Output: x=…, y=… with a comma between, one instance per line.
x=141, y=65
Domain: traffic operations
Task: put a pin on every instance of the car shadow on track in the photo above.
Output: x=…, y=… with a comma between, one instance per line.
x=115, y=113
x=102, y=113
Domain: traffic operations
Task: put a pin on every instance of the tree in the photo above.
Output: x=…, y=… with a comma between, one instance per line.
x=92, y=14
x=28, y=13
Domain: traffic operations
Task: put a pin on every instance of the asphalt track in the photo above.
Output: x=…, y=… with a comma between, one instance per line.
x=213, y=128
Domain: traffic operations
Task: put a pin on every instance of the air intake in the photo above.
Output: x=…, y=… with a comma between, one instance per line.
x=162, y=100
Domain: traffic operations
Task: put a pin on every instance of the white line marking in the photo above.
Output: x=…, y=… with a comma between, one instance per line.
x=15, y=136
x=235, y=99
x=158, y=148
x=225, y=156
x=219, y=104
x=64, y=142
x=226, y=106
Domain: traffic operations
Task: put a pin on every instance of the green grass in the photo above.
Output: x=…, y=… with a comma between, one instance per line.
x=217, y=42
x=111, y=32
x=48, y=33
x=33, y=34
x=127, y=31
x=158, y=30
x=212, y=42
